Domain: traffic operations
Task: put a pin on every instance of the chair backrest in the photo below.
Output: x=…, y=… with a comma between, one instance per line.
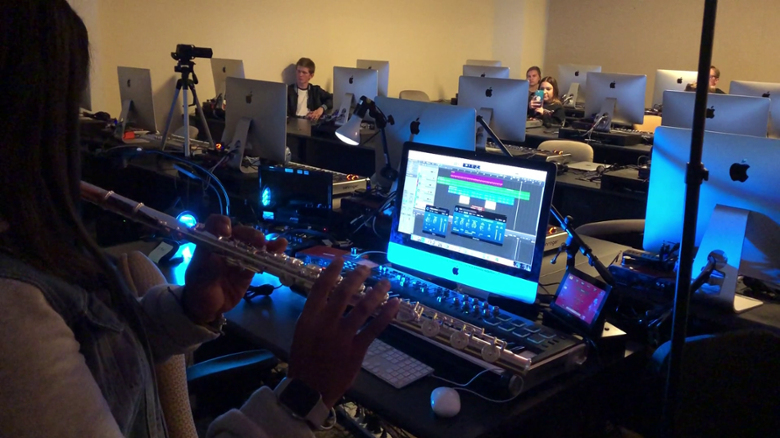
x=141, y=274
x=417, y=95
x=579, y=151
x=650, y=123
x=730, y=385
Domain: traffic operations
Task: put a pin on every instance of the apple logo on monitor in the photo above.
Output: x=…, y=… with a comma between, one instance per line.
x=710, y=112
x=738, y=171
x=612, y=84
x=455, y=271
x=679, y=80
x=482, y=75
x=224, y=69
x=128, y=83
x=766, y=94
x=351, y=79
x=489, y=92
x=415, y=126
x=577, y=73
x=249, y=97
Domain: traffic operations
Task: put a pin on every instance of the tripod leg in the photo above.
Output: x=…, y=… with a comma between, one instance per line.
x=186, y=111
x=170, y=115
x=199, y=110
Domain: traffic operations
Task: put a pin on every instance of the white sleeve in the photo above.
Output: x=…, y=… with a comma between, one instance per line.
x=168, y=329
x=261, y=417
x=47, y=388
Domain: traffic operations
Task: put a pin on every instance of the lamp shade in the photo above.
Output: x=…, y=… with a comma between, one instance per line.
x=349, y=132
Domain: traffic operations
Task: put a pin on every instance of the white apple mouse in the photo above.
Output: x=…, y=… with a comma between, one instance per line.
x=445, y=402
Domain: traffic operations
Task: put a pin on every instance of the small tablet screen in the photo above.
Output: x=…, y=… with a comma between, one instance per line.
x=581, y=297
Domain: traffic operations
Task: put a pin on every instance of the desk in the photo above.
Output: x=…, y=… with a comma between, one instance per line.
x=318, y=146
x=586, y=202
x=270, y=321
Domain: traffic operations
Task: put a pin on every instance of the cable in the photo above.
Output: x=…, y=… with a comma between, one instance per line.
x=370, y=252
x=462, y=386
x=470, y=381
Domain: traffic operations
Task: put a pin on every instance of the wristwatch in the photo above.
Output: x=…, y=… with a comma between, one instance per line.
x=304, y=403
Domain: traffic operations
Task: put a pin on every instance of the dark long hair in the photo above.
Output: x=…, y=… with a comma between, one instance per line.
x=44, y=65
x=551, y=80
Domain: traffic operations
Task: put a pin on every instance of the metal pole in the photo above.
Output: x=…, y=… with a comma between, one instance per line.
x=696, y=174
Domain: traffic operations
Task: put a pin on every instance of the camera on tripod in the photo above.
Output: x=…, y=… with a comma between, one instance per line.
x=187, y=52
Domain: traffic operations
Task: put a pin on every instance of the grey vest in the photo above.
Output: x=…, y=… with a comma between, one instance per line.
x=111, y=349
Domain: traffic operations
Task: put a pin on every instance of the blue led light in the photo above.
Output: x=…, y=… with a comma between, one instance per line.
x=187, y=218
x=265, y=197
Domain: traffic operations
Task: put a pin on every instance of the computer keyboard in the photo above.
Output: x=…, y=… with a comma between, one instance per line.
x=632, y=131
x=393, y=366
x=176, y=141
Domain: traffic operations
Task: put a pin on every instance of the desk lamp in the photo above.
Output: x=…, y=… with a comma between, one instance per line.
x=349, y=133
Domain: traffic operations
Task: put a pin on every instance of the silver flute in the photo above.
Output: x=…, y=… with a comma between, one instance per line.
x=421, y=320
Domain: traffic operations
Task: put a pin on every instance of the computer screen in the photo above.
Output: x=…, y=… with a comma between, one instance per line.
x=742, y=174
x=569, y=74
x=483, y=62
x=504, y=102
x=222, y=69
x=628, y=92
x=476, y=219
x=353, y=83
x=727, y=113
x=135, y=91
x=675, y=80
x=257, y=119
x=580, y=298
x=762, y=89
x=383, y=71
x=486, y=71
x=424, y=122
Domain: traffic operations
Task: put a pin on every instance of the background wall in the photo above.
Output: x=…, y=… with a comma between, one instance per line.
x=519, y=33
x=426, y=42
x=640, y=36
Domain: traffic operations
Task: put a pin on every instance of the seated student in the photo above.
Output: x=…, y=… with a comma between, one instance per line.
x=714, y=78
x=533, y=75
x=304, y=99
x=551, y=110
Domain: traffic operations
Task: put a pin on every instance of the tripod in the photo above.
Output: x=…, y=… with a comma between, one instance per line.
x=186, y=67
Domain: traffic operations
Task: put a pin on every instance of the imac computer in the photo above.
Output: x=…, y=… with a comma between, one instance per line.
x=383, y=71
x=135, y=91
x=503, y=103
x=727, y=113
x=349, y=84
x=486, y=71
x=742, y=175
x=675, y=80
x=571, y=82
x=762, y=89
x=620, y=97
x=486, y=62
x=222, y=69
x=475, y=219
x=256, y=121
x=424, y=122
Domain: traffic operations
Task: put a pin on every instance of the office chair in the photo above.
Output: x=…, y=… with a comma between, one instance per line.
x=579, y=151
x=651, y=122
x=173, y=376
x=628, y=232
x=419, y=96
x=730, y=384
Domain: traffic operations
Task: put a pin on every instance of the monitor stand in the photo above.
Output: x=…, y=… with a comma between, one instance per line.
x=482, y=136
x=121, y=122
x=574, y=92
x=608, y=109
x=725, y=235
x=343, y=112
x=238, y=145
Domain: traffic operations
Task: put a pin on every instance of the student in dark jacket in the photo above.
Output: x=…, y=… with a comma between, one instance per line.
x=551, y=110
x=304, y=99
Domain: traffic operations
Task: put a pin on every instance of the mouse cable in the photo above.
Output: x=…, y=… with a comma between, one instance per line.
x=507, y=400
x=470, y=381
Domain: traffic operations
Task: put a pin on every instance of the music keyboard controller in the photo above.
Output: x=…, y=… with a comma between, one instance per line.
x=550, y=351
